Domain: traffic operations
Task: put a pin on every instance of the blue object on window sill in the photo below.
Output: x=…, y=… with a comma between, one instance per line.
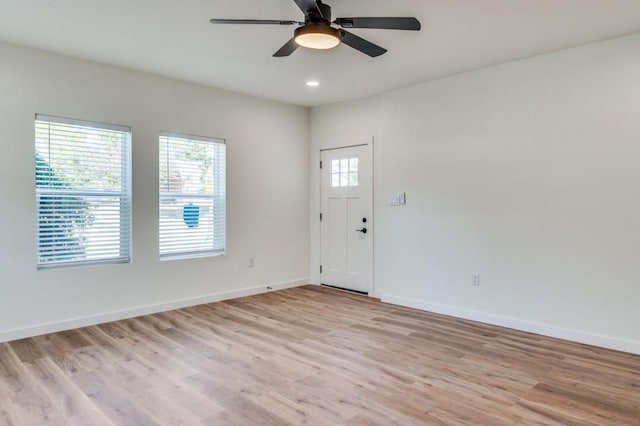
x=191, y=215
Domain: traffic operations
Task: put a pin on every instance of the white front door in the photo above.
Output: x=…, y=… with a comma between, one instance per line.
x=347, y=218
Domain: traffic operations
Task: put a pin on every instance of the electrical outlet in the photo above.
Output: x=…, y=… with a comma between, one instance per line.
x=475, y=280
x=252, y=262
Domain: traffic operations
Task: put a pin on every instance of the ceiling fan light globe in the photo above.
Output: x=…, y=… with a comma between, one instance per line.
x=317, y=41
x=317, y=36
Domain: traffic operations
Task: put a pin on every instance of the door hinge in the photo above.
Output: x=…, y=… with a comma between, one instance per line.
x=321, y=164
x=320, y=268
x=320, y=217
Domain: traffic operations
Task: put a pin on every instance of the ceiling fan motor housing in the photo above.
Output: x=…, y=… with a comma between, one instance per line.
x=325, y=9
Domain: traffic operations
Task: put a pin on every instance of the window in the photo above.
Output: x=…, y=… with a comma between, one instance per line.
x=192, y=196
x=82, y=192
x=344, y=172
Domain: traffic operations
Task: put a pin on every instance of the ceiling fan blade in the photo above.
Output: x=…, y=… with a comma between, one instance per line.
x=287, y=49
x=309, y=7
x=253, y=21
x=361, y=44
x=411, y=24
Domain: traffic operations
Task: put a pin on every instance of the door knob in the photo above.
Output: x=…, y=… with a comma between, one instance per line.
x=363, y=230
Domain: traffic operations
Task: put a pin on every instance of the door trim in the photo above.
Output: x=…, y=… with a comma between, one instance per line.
x=373, y=240
x=346, y=146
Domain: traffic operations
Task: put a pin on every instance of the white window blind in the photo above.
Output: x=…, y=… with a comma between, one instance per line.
x=192, y=196
x=82, y=191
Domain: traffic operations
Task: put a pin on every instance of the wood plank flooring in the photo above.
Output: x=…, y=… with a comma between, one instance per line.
x=311, y=355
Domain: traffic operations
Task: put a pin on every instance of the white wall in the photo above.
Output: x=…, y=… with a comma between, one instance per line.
x=267, y=204
x=526, y=173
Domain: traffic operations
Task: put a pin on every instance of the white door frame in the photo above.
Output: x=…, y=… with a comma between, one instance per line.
x=373, y=240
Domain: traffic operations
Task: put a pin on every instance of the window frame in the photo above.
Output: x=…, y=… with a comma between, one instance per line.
x=219, y=196
x=124, y=195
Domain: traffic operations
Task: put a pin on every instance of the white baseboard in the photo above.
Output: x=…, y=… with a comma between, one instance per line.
x=52, y=327
x=516, y=324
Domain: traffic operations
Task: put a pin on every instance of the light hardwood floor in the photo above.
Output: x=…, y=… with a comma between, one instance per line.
x=311, y=355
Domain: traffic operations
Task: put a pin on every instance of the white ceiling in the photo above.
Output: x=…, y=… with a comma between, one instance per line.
x=174, y=38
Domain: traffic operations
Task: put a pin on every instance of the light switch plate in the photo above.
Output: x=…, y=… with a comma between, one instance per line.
x=398, y=199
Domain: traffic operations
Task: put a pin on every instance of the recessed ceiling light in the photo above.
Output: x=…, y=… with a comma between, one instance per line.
x=313, y=83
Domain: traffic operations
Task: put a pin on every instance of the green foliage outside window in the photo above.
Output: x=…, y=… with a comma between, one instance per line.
x=63, y=217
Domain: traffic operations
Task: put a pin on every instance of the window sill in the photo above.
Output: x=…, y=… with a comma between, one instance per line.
x=185, y=256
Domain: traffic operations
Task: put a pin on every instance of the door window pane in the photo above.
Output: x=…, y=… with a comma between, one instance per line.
x=344, y=172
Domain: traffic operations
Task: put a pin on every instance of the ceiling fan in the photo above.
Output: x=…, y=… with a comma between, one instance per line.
x=316, y=32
